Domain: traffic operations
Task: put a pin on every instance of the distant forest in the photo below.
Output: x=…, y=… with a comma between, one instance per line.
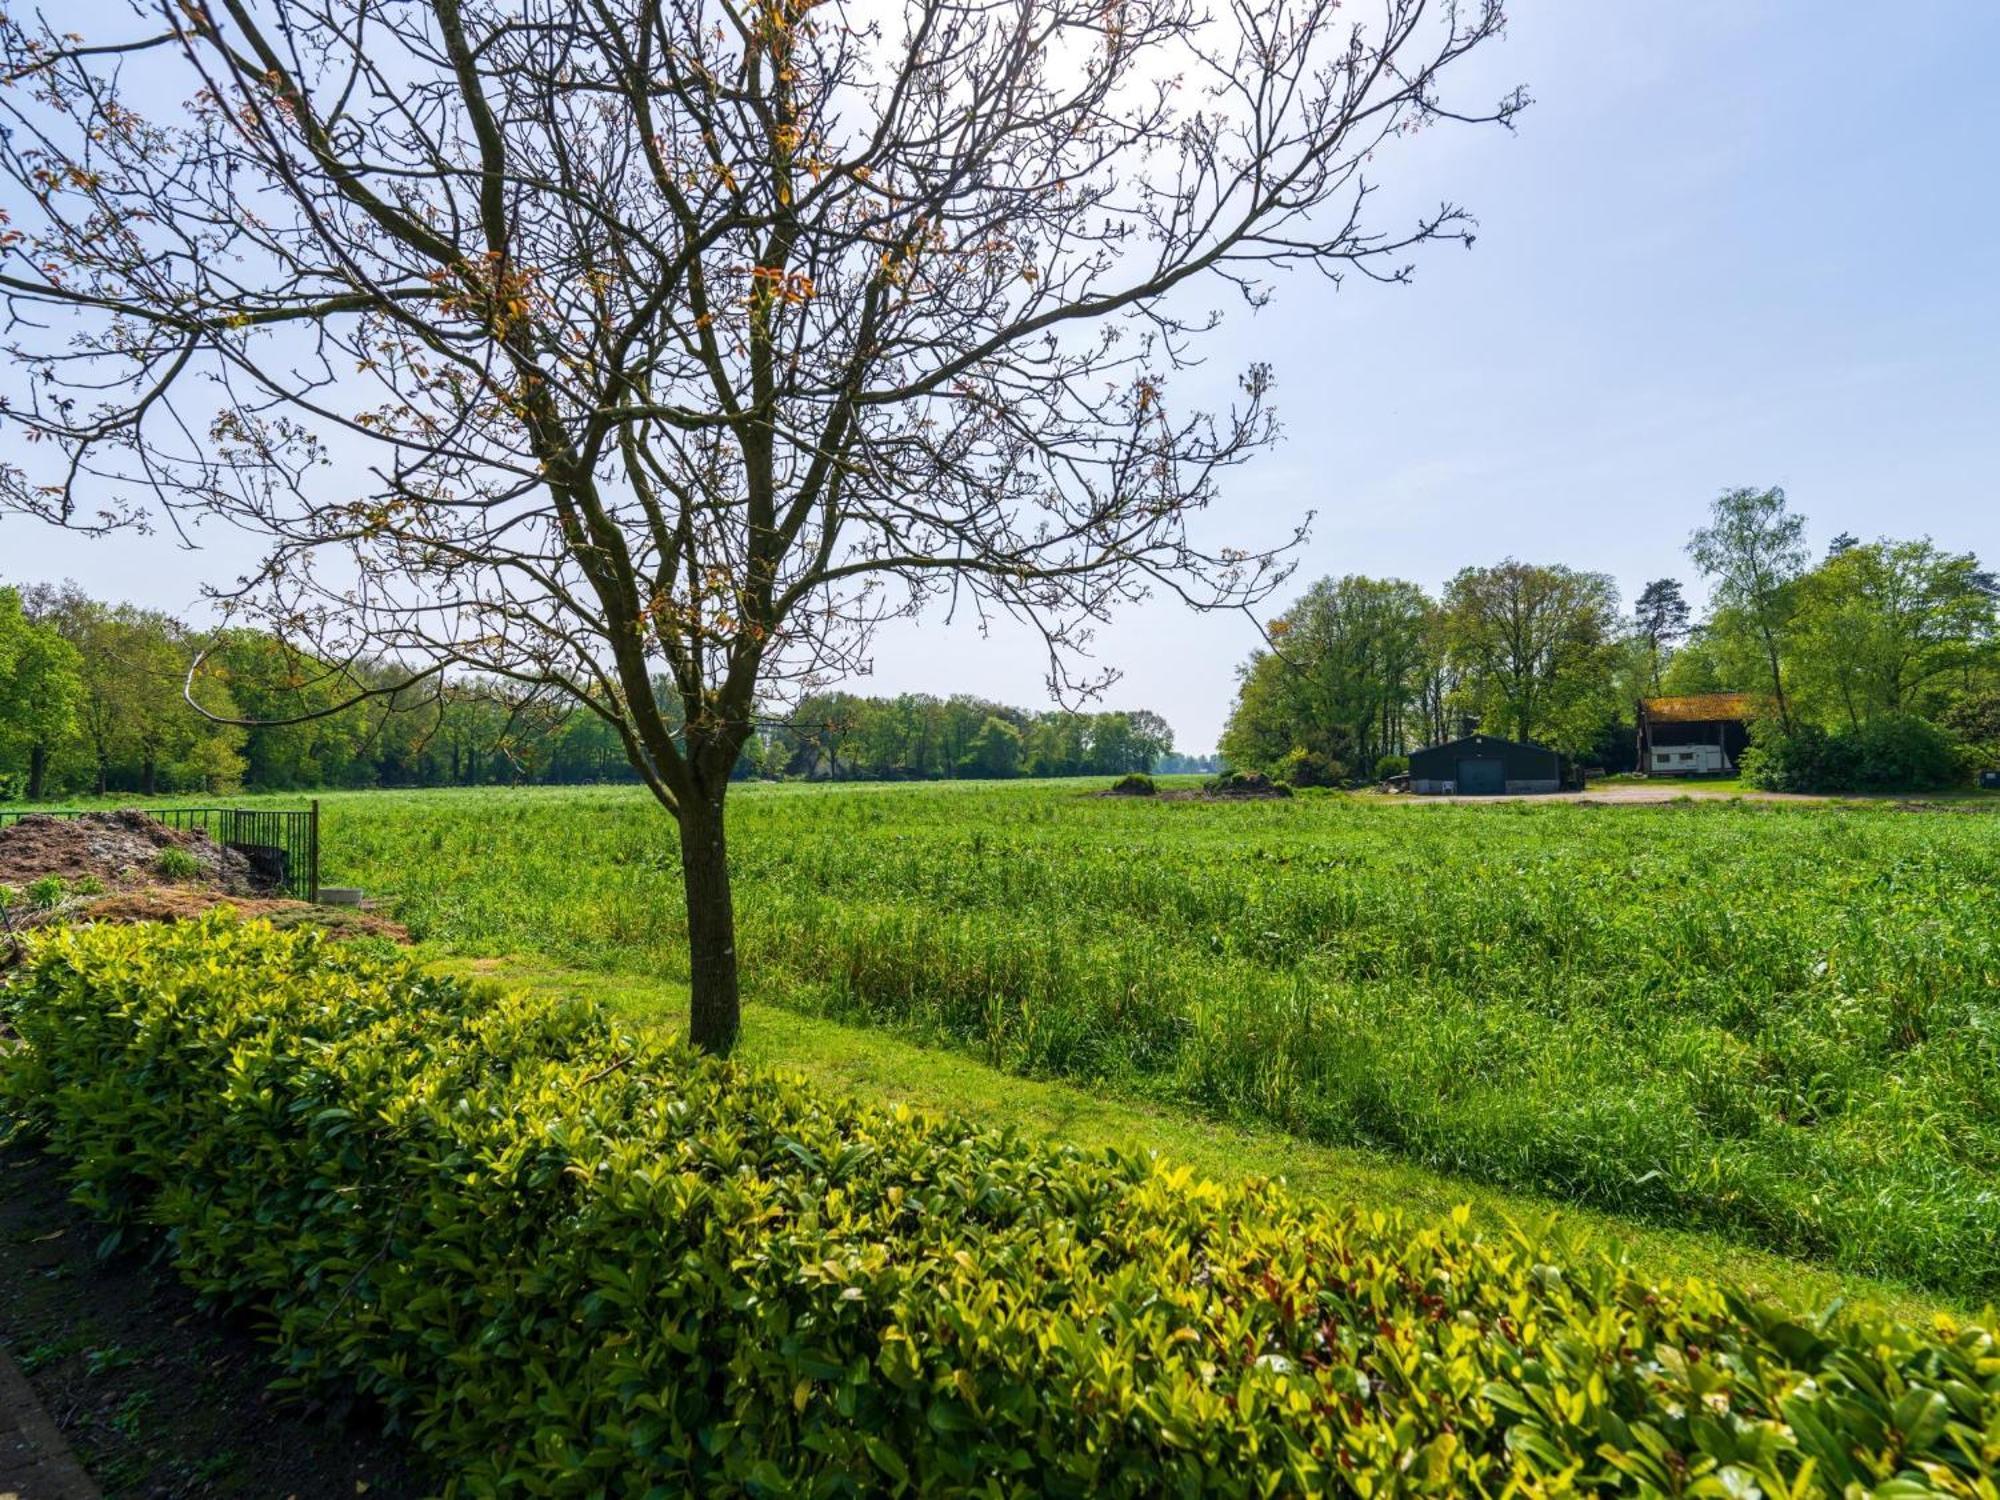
x=91, y=701
x=1874, y=663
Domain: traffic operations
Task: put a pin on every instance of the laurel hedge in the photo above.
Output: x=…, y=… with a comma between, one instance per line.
x=571, y=1261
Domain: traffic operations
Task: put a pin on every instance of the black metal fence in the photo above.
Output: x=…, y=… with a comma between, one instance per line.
x=281, y=844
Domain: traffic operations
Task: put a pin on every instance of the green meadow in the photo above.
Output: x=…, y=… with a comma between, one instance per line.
x=1776, y=1026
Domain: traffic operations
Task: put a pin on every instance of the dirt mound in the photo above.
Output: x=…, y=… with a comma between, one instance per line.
x=1232, y=786
x=1131, y=786
x=121, y=850
x=1237, y=786
x=110, y=869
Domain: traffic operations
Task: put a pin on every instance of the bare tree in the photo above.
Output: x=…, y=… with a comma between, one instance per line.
x=606, y=346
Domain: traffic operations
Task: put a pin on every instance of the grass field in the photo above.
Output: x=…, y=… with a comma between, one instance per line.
x=1779, y=1024
x=886, y=1071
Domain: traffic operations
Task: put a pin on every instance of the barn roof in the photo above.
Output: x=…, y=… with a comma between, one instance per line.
x=1489, y=740
x=1701, y=708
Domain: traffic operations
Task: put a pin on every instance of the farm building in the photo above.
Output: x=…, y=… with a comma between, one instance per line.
x=1485, y=765
x=1699, y=734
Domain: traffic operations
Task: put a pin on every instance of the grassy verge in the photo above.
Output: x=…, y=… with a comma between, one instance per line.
x=870, y=1065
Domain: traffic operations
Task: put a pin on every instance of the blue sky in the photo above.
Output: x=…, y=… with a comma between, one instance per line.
x=1731, y=243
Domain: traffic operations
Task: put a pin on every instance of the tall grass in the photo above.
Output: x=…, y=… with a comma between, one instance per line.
x=1775, y=1021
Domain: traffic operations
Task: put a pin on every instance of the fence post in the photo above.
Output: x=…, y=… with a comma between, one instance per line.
x=312, y=859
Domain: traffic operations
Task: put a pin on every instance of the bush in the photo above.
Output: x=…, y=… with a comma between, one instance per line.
x=1973, y=719
x=48, y=892
x=176, y=864
x=578, y=1263
x=1135, y=785
x=1888, y=754
x=1392, y=765
x=1302, y=767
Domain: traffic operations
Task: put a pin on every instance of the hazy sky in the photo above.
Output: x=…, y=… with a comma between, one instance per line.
x=1732, y=243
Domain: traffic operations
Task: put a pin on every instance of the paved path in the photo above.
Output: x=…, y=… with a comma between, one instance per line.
x=35, y=1462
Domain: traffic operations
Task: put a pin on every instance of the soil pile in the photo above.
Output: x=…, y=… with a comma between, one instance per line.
x=110, y=867
x=1245, y=786
x=1231, y=786
x=1132, y=786
x=119, y=849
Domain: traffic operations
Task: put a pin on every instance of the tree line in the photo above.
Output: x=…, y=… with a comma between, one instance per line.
x=920, y=737
x=1876, y=659
x=93, y=701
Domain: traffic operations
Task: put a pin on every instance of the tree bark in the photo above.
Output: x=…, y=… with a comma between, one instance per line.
x=1777, y=682
x=38, y=771
x=715, y=1011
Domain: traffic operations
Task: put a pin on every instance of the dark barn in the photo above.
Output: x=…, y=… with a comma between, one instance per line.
x=1483, y=765
x=1697, y=734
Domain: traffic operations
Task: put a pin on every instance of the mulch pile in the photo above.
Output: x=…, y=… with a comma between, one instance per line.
x=1252, y=786
x=1249, y=786
x=121, y=851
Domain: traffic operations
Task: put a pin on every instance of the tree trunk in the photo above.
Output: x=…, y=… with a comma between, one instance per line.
x=38, y=771
x=715, y=1011
x=1778, y=683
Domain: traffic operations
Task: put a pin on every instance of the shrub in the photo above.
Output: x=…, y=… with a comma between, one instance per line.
x=48, y=892
x=1135, y=785
x=1302, y=767
x=176, y=864
x=1905, y=751
x=1973, y=719
x=1392, y=765
x=578, y=1263
x=1890, y=753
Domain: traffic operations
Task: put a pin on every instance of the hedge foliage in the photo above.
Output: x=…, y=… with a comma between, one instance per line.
x=575, y=1262
x=1889, y=754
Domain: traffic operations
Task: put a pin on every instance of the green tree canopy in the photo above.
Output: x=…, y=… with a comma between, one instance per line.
x=1885, y=627
x=995, y=750
x=1340, y=679
x=1537, y=646
x=41, y=687
x=1753, y=554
